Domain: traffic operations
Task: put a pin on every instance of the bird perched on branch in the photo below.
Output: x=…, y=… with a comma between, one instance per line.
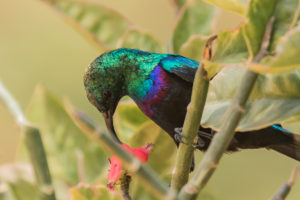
x=161, y=86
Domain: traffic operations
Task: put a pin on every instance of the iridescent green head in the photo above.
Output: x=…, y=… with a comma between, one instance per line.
x=104, y=85
x=116, y=74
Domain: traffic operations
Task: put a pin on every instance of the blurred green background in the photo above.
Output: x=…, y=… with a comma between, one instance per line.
x=37, y=47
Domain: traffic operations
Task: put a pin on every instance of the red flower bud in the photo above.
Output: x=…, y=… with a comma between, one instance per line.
x=115, y=169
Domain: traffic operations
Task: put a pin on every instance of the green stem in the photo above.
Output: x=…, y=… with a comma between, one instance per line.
x=296, y=16
x=221, y=140
x=125, y=183
x=34, y=146
x=231, y=118
x=190, y=128
x=192, y=122
x=285, y=189
x=133, y=165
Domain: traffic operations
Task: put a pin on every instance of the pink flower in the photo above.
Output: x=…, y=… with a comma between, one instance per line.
x=115, y=169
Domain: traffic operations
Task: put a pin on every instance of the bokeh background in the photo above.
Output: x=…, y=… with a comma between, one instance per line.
x=37, y=47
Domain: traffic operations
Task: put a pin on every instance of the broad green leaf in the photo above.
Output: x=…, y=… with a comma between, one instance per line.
x=231, y=48
x=274, y=99
x=286, y=14
x=20, y=181
x=66, y=145
x=100, y=25
x=193, y=48
x=161, y=158
x=212, y=68
x=90, y=192
x=164, y=148
x=292, y=124
x=128, y=119
x=179, y=3
x=194, y=19
x=136, y=39
x=235, y=6
x=287, y=55
x=258, y=15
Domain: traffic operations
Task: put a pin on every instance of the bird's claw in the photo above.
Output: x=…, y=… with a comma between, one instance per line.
x=199, y=143
x=178, y=135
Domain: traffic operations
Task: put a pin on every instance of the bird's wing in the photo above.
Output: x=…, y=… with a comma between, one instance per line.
x=182, y=67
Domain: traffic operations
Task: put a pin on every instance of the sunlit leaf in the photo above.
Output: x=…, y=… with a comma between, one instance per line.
x=196, y=18
x=258, y=15
x=161, y=158
x=89, y=192
x=128, y=119
x=286, y=16
x=20, y=181
x=136, y=39
x=193, y=48
x=100, y=25
x=68, y=154
x=231, y=48
x=287, y=55
x=164, y=148
x=235, y=6
x=274, y=99
x=212, y=68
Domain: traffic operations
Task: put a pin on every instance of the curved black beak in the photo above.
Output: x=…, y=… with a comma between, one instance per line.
x=108, y=117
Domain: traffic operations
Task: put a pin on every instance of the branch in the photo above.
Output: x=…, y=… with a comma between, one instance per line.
x=34, y=145
x=147, y=176
x=192, y=123
x=125, y=182
x=286, y=188
x=231, y=118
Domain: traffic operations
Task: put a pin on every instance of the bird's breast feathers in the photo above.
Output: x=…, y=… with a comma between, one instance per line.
x=159, y=85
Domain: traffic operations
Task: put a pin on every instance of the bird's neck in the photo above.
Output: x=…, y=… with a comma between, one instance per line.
x=138, y=78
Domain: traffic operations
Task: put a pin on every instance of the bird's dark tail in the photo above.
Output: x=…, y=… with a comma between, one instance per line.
x=273, y=137
x=291, y=148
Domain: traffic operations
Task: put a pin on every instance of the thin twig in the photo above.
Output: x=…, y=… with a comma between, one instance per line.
x=232, y=117
x=125, y=182
x=296, y=16
x=192, y=122
x=34, y=145
x=133, y=165
x=285, y=189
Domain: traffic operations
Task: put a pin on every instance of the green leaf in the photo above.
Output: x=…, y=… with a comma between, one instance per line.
x=193, y=48
x=20, y=181
x=136, y=39
x=231, y=48
x=66, y=145
x=194, y=19
x=164, y=148
x=258, y=15
x=287, y=55
x=274, y=99
x=161, y=158
x=89, y=192
x=212, y=68
x=286, y=13
x=235, y=6
x=128, y=119
x=100, y=25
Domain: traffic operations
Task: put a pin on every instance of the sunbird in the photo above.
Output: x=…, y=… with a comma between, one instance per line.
x=161, y=86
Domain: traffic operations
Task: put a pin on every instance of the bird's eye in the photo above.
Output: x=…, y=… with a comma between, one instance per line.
x=106, y=94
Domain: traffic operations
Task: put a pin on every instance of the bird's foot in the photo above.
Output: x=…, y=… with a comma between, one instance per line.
x=198, y=143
